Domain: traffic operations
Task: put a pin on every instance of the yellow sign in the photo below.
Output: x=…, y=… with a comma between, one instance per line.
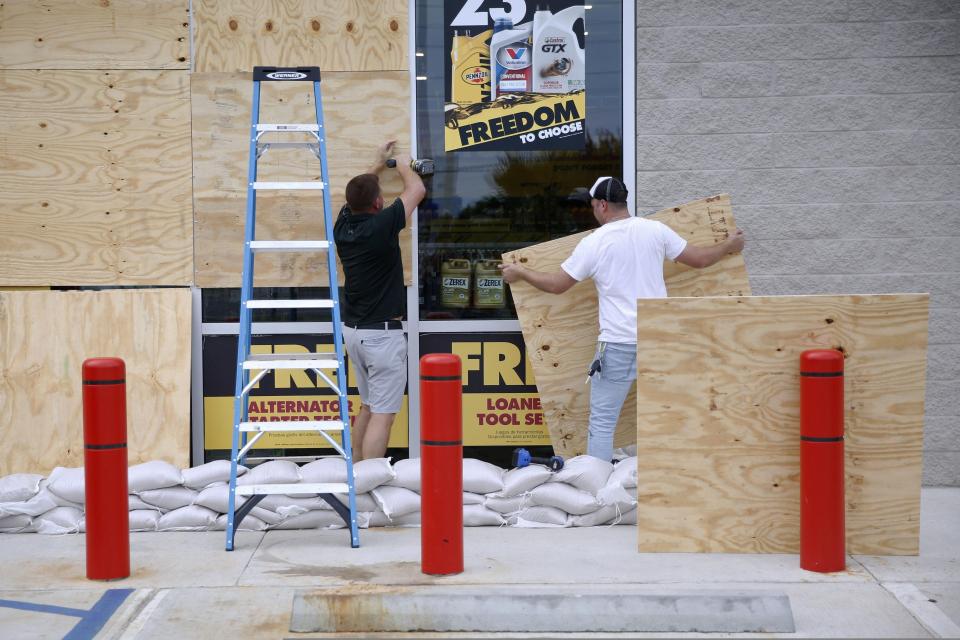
x=540, y=121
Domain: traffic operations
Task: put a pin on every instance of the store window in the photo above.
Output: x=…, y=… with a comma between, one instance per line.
x=517, y=103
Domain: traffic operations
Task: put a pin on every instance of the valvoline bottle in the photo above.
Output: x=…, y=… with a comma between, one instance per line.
x=510, y=58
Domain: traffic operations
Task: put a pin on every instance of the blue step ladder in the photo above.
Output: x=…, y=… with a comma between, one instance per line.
x=319, y=363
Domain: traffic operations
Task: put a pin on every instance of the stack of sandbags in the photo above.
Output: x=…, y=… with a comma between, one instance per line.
x=586, y=492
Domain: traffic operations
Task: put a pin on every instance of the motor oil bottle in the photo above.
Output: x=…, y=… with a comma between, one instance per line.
x=510, y=59
x=470, y=68
x=455, y=283
x=488, y=285
x=559, y=63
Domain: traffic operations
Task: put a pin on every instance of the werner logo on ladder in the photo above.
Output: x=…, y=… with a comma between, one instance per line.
x=319, y=363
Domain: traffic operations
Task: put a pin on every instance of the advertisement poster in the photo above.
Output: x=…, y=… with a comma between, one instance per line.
x=516, y=78
x=283, y=395
x=501, y=406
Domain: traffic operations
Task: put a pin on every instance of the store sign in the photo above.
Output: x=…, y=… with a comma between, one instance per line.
x=517, y=75
x=501, y=406
x=280, y=396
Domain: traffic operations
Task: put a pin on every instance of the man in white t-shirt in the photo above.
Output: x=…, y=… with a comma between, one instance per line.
x=625, y=259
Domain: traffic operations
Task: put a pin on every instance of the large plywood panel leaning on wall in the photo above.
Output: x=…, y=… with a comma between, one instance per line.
x=95, y=187
x=560, y=331
x=718, y=397
x=85, y=34
x=361, y=110
x=336, y=35
x=48, y=334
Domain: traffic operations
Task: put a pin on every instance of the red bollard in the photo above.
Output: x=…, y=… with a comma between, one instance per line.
x=105, y=468
x=441, y=464
x=822, y=535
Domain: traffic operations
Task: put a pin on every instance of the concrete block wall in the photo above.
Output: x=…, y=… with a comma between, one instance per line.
x=835, y=127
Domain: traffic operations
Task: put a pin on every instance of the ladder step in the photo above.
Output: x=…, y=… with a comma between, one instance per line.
x=292, y=361
x=293, y=425
x=288, y=127
x=290, y=304
x=282, y=186
x=289, y=245
x=287, y=489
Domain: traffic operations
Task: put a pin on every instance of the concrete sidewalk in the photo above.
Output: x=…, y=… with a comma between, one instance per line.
x=184, y=585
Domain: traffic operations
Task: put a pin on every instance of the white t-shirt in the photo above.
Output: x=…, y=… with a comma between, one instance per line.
x=625, y=259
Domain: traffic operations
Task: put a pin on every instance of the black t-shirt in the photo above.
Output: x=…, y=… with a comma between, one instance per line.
x=369, y=248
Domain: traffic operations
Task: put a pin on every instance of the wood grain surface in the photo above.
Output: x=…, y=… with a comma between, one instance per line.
x=719, y=424
x=48, y=334
x=336, y=35
x=361, y=110
x=560, y=331
x=95, y=178
x=94, y=34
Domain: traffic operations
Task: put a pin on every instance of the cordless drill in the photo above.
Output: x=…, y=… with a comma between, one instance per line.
x=522, y=458
x=423, y=167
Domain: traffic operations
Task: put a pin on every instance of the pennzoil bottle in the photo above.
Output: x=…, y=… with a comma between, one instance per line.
x=470, y=68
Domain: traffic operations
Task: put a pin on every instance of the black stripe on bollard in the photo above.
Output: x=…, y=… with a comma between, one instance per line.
x=119, y=445
x=822, y=374
x=439, y=378
x=813, y=439
x=442, y=443
x=121, y=381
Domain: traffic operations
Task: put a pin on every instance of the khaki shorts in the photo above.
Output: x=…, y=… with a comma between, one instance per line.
x=379, y=358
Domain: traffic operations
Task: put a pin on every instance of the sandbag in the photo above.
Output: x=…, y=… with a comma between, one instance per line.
x=169, y=498
x=473, y=498
x=202, y=476
x=19, y=487
x=396, y=501
x=281, y=502
x=624, y=473
x=519, y=481
x=249, y=523
x=477, y=515
x=370, y=474
x=58, y=520
x=506, y=506
x=312, y=520
x=16, y=524
x=324, y=470
x=564, y=497
x=134, y=503
x=67, y=483
x=614, y=494
x=539, y=516
x=155, y=474
x=604, y=515
x=481, y=477
x=407, y=474
x=44, y=501
x=144, y=519
x=585, y=473
x=628, y=517
x=365, y=501
x=272, y=472
x=192, y=518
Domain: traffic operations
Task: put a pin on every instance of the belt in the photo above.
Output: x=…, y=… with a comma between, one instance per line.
x=385, y=325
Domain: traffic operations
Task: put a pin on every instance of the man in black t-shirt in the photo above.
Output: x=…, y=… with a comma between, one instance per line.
x=373, y=298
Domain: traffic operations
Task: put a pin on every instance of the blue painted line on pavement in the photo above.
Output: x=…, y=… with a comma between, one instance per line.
x=43, y=608
x=105, y=607
x=91, y=620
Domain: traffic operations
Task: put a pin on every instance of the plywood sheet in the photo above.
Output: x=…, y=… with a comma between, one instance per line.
x=361, y=110
x=95, y=178
x=94, y=34
x=46, y=336
x=336, y=35
x=718, y=419
x=560, y=331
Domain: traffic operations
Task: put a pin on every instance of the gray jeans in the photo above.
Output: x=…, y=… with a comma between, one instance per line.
x=379, y=358
x=608, y=389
